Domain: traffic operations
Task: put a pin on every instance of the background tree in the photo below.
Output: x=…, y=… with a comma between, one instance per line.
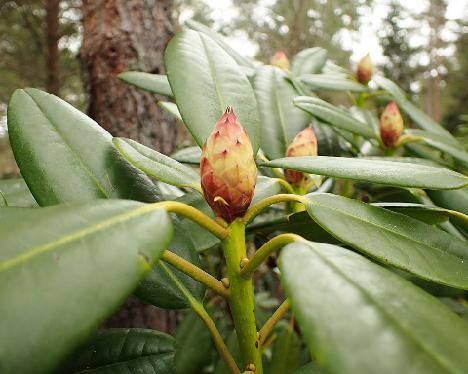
x=120, y=36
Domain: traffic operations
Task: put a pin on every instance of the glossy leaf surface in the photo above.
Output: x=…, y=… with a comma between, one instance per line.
x=155, y=83
x=379, y=323
x=71, y=267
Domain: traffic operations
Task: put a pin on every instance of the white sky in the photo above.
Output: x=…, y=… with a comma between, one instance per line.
x=366, y=41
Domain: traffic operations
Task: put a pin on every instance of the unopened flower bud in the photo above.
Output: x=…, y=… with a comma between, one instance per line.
x=391, y=125
x=280, y=60
x=364, y=70
x=227, y=168
x=303, y=144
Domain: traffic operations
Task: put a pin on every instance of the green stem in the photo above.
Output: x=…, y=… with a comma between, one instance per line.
x=285, y=184
x=275, y=199
x=207, y=320
x=241, y=297
x=272, y=321
x=266, y=250
x=195, y=215
x=195, y=272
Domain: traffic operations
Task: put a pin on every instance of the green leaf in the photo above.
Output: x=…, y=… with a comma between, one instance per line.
x=327, y=139
x=427, y=213
x=280, y=119
x=124, y=351
x=16, y=193
x=443, y=143
x=172, y=109
x=310, y=368
x=69, y=267
x=374, y=171
x=65, y=156
x=331, y=82
x=157, y=165
x=241, y=60
x=403, y=242
x=3, y=201
x=453, y=200
x=155, y=83
x=357, y=317
x=205, y=80
x=309, y=61
x=406, y=160
x=189, y=155
x=158, y=289
x=265, y=187
x=193, y=345
x=334, y=116
x=286, y=352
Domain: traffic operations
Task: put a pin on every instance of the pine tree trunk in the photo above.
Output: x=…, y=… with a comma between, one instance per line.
x=122, y=35
x=52, y=60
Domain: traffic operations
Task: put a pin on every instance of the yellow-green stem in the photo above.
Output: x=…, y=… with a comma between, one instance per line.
x=195, y=272
x=266, y=250
x=207, y=320
x=272, y=321
x=275, y=199
x=241, y=297
x=195, y=215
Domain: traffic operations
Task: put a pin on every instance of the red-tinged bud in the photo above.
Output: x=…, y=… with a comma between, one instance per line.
x=280, y=60
x=227, y=168
x=364, y=69
x=391, y=125
x=303, y=144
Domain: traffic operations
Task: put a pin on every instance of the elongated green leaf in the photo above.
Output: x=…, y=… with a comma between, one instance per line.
x=65, y=156
x=327, y=139
x=334, y=116
x=310, y=368
x=124, y=351
x=69, y=267
x=205, y=80
x=218, y=38
x=383, y=172
x=172, y=109
x=443, y=143
x=3, y=201
x=406, y=160
x=158, y=288
x=353, y=311
x=189, y=155
x=194, y=347
x=419, y=117
x=453, y=200
x=16, y=193
x=430, y=214
x=157, y=165
x=286, y=352
x=331, y=82
x=155, y=83
x=403, y=242
x=309, y=61
x=280, y=119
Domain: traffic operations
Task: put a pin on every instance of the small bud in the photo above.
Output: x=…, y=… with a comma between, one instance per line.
x=364, y=70
x=303, y=144
x=280, y=60
x=391, y=125
x=227, y=168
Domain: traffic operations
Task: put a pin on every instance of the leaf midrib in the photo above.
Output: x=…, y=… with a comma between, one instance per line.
x=81, y=163
x=388, y=316
x=74, y=236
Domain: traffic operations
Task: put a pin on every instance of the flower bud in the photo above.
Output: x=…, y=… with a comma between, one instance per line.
x=364, y=70
x=391, y=125
x=303, y=144
x=280, y=60
x=227, y=168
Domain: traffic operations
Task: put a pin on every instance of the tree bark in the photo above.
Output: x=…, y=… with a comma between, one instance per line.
x=122, y=35
x=52, y=61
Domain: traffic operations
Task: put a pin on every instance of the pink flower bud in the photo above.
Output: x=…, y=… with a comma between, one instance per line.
x=391, y=125
x=364, y=69
x=303, y=144
x=280, y=60
x=228, y=170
